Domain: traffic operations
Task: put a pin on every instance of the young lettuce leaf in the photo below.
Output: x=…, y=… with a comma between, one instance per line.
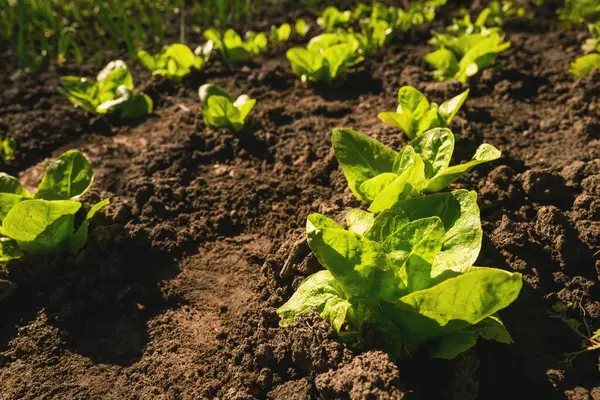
x=385, y=279
x=220, y=111
x=381, y=176
x=324, y=64
x=463, y=57
x=175, y=62
x=44, y=223
x=585, y=64
x=235, y=49
x=112, y=91
x=415, y=114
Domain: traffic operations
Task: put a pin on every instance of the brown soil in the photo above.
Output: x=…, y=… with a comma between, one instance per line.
x=176, y=291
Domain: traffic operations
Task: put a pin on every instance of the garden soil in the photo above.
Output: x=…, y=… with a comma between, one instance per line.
x=175, y=295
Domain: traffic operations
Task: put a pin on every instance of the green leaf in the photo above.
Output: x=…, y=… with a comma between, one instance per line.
x=306, y=63
x=445, y=63
x=405, y=186
x=371, y=188
x=10, y=184
x=147, y=60
x=485, y=153
x=322, y=292
x=208, y=89
x=459, y=213
x=361, y=157
x=41, y=226
x=337, y=58
x=137, y=106
x=449, y=108
x=319, y=221
x=67, y=177
x=413, y=247
x=358, y=265
x=403, y=121
x=435, y=147
x=8, y=251
x=244, y=104
x=359, y=221
x=79, y=238
x=301, y=27
x=491, y=328
x=412, y=100
x=585, y=64
x=481, y=56
x=455, y=304
x=80, y=91
x=220, y=112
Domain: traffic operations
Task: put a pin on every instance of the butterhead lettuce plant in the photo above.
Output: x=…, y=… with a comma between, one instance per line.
x=233, y=47
x=221, y=111
x=381, y=176
x=323, y=64
x=415, y=114
x=175, y=61
x=44, y=222
x=465, y=56
x=111, y=91
x=406, y=277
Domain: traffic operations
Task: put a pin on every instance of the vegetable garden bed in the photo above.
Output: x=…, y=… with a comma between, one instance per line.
x=176, y=293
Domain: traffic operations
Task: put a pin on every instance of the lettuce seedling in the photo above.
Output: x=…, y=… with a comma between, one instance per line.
x=280, y=34
x=301, y=27
x=585, y=64
x=405, y=279
x=7, y=148
x=233, y=48
x=44, y=223
x=575, y=13
x=381, y=176
x=415, y=114
x=465, y=56
x=112, y=91
x=220, y=111
x=327, y=66
x=176, y=61
x=593, y=44
x=332, y=18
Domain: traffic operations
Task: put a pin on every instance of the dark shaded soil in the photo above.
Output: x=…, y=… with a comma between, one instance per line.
x=176, y=292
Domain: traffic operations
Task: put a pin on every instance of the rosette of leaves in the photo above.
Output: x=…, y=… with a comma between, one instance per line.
x=233, y=47
x=280, y=34
x=406, y=277
x=332, y=18
x=221, y=111
x=176, y=61
x=45, y=222
x=381, y=176
x=326, y=57
x=111, y=91
x=465, y=56
x=415, y=114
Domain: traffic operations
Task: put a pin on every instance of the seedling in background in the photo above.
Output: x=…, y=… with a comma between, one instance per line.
x=44, y=223
x=301, y=27
x=415, y=114
x=7, y=148
x=176, y=61
x=392, y=274
x=221, y=111
x=593, y=44
x=280, y=34
x=465, y=56
x=332, y=18
x=590, y=62
x=590, y=340
x=233, y=48
x=325, y=58
x=112, y=91
x=575, y=13
x=381, y=176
